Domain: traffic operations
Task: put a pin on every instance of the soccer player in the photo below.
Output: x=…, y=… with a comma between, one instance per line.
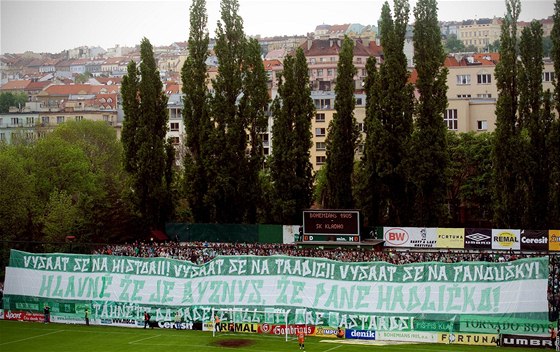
x=217, y=326
x=301, y=340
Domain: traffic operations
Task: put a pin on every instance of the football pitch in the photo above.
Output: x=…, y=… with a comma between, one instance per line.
x=30, y=336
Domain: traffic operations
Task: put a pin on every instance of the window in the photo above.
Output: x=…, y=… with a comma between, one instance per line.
x=361, y=126
x=330, y=72
x=548, y=76
x=29, y=120
x=320, y=117
x=2, y=136
x=460, y=96
x=45, y=120
x=79, y=118
x=484, y=95
x=484, y=78
x=322, y=104
x=463, y=79
x=60, y=119
x=319, y=132
x=320, y=160
x=175, y=140
x=359, y=60
x=320, y=146
x=15, y=120
x=174, y=126
x=320, y=72
x=481, y=125
x=312, y=60
x=359, y=101
x=450, y=119
x=333, y=58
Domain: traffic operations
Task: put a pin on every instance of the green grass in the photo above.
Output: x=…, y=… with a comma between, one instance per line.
x=38, y=337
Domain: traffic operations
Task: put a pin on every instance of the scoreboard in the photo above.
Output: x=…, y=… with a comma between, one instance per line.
x=331, y=225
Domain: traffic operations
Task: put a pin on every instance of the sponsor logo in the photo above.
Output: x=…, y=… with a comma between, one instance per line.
x=173, y=325
x=506, y=239
x=360, y=334
x=292, y=329
x=528, y=240
x=526, y=341
x=468, y=339
x=9, y=315
x=478, y=237
x=407, y=336
x=396, y=236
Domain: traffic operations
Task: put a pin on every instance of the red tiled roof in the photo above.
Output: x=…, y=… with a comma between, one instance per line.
x=374, y=49
x=270, y=64
x=494, y=58
x=451, y=61
x=173, y=89
x=15, y=85
x=39, y=85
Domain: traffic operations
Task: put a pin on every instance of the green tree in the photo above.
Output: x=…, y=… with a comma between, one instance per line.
x=531, y=117
x=429, y=141
x=454, y=45
x=229, y=138
x=290, y=168
x=554, y=141
x=470, y=175
x=252, y=107
x=391, y=119
x=343, y=133
x=8, y=100
x=368, y=185
x=110, y=217
x=60, y=220
x=508, y=176
x=196, y=113
x=17, y=197
x=147, y=105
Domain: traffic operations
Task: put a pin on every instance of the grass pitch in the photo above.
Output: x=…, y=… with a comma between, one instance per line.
x=35, y=337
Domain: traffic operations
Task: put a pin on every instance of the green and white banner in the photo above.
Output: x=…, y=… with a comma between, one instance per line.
x=324, y=292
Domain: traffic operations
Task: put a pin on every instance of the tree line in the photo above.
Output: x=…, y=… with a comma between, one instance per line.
x=81, y=181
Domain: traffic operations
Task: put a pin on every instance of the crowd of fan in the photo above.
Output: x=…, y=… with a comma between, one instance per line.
x=202, y=252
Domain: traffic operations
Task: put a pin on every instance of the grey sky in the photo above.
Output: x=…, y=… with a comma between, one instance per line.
x=52, y=26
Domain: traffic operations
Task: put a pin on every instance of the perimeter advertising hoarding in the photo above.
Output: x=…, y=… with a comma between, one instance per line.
x=506, y=239
x=527, y=341
x=359, y=334
x=534, y=240
x=408, y=336
x=450, y=238
x=478, y=238
x=413, y=237
x=468, y=339
x=554, y=240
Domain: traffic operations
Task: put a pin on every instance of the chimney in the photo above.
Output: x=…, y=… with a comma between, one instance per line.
x=309, y=43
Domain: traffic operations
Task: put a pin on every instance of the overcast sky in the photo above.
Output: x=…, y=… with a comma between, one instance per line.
x=53, y=26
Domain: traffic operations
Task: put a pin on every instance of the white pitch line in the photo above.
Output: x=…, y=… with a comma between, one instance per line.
x=333, y=348
x=31, y=338
x=144, y=339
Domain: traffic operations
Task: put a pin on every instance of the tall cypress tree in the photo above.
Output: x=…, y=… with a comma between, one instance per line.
x=393, y=117
x=229, y=138
x=290, y=168
x=430, y=158
x=368, y=185
x=507, y=151
x=343, y=133
x=196, y=114
x=554, y=140
x=252, y=108
x=538, y=126
x=131, y=104
x=146, y=133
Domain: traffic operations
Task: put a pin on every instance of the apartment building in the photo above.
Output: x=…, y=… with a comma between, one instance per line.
x=479, y=32
x=472, y=92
